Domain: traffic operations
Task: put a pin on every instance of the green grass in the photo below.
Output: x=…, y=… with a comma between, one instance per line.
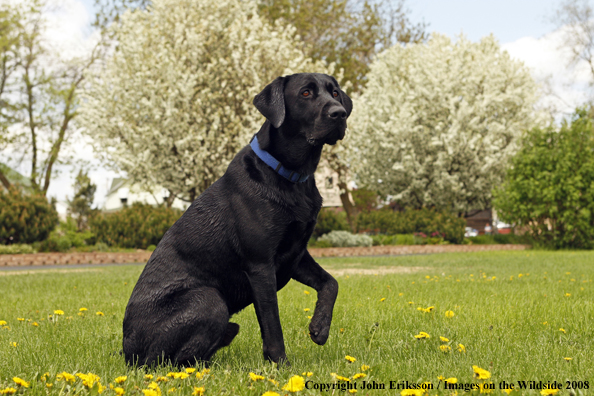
x=499, y=318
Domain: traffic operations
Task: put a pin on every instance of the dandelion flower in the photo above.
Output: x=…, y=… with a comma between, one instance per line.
x=121, y=379
x=161, y=379
x=449, y=314
x=306, y=309
x=255, y=377
x=305, y=292
x=567, y=294
x=421, y=335
x=412, y=392
x=461, y=348
x=382, y=299
x=481, y=373
x=295, y=384
x=190, y=370
x=364, y=367
x=35, y=324
x=484, y=388
x=89, y=379
x=119, y=391
x=568, y=358
x=549, y=391
x=451, y=380
x=83, y=309
x=359, y=375
x=99, y=313
x=3, y=323
x=445, y=348
x=58, y=312
x=443, y=339
x=20, y=382
x=350, y=359
x=198, y=391
x=150, y=392
x=64, y=376
x=341, y=378
x=48, y=385
x=13, y=344
x=270, y=393
x=307, y=374
x=21, y=319
x=148, y=377
x=563, y=330
x=8, y=391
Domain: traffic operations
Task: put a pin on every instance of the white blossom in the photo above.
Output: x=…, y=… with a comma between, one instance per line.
x=438, y=121
x=173, y=105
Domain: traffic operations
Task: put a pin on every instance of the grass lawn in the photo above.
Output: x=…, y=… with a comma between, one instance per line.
x=521, y=316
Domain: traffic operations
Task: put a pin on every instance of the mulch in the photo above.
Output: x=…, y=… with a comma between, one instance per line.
x=141, y=256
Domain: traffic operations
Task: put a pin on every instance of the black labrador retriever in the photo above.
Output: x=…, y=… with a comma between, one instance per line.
x=244, y=238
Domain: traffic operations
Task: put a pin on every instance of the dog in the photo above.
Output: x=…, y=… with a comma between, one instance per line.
x=244, y=237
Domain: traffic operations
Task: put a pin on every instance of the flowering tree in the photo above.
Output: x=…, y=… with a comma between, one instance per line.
x=437, y=122
x=173, y=104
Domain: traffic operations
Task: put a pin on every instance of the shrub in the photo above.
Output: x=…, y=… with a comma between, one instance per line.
x=398, y=239
x=329, y=220
x=67, y=236
x=549, y=189
x=346, y=239
x=25, y=218
x=16, y=249
x=137, y=226
x=433, y=224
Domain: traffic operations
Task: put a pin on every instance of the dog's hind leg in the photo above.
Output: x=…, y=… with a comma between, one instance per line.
x=209, y=328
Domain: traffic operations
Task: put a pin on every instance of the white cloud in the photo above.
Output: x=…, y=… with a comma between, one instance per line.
x=565, y=87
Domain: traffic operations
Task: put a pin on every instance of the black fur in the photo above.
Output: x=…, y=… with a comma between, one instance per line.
x=243, y=239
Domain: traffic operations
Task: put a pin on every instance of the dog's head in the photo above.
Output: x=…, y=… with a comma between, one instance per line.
x=309, y=104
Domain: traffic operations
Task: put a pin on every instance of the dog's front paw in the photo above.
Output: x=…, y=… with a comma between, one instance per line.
x=319, y=330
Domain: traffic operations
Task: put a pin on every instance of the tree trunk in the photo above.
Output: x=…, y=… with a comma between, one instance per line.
x=4, y=180
x=348, y=206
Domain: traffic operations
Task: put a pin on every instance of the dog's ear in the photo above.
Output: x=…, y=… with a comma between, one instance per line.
x=271, y=102
x=347, y=103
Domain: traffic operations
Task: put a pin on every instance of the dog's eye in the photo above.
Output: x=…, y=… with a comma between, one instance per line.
x=335, y=94
x=306, y=93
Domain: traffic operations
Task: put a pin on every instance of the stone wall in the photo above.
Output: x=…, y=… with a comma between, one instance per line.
x=41, y=259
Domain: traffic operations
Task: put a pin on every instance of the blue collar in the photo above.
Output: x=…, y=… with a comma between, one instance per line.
x=275, y=164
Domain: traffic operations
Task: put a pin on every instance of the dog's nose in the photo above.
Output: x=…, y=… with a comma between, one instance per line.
x=336, y=112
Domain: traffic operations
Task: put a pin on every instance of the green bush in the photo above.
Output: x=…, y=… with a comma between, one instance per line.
x=398, y=239
x=549, y=189
x=432, y=224
x=329, y=220
x=67, y=236
x=137, y=226
x=25, y=218
x=16, y=249
x=346, y=239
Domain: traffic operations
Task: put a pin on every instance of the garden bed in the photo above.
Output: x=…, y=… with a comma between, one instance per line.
x=41, y=259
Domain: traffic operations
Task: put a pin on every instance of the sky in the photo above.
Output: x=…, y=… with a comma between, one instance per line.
x=524, y=28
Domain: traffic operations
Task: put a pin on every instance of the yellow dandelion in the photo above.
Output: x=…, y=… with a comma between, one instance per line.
x=350, y=359
x=3, y=323
x=181, y=375
x=150, y=392
x=305, y=292
x=89, y=379
x=549, y=391
x=461, y=348
x=484, y=388
x=255, y=377
x=443, y=339
x=170, y=390
x=20, y=382
x=568, y=358
x=359, y=375
x=295, y=384
x=64, y=376
x=119, y=391
x=58, y=312
x=121, y=379
x=412, y=392
x=99, y=313
x=83, y=309
x=270, y=393
x=451, y=380
x=563, y=330
x=198, y=391
x=364, y=367
x=154, y=387
x=445, y=348
x=48, y=385
x=148, y=377
x=8, y=391
x=341, y=378
x=567, y=295
x=35, y=324
x=21, y=319
x=481, y=373
x=13, y=344
x=449, y=314
x=306, y=309
x=161, y=379
x=422, y=335
x=307, y=374
x=190, y=370
x=275, y=383
x=382, y=299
